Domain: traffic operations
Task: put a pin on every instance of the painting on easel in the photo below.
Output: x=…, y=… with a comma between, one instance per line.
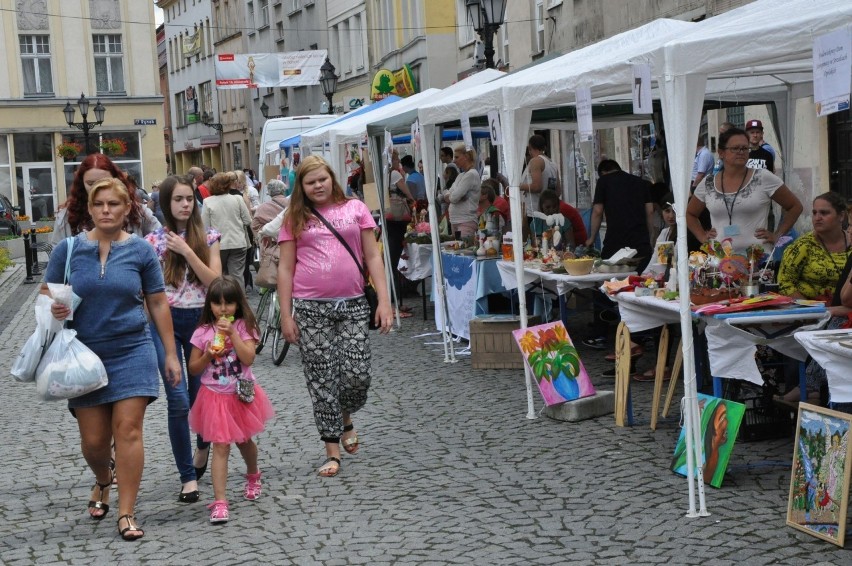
x=819, y=483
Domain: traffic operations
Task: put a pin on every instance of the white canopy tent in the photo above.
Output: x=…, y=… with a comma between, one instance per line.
x=687, y=61
x=400, y=122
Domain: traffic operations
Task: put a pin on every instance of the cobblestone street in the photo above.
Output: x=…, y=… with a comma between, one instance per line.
x=450, y=472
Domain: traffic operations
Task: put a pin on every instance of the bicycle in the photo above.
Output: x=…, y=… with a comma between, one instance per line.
x=269, y=322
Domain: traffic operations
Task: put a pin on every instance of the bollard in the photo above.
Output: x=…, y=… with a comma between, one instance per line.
x=34, y=248
x=28, y=259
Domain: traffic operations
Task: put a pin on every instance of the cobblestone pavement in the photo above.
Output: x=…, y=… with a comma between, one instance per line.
x=450, y=472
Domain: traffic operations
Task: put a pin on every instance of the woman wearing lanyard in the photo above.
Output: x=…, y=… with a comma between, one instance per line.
x=738, y=199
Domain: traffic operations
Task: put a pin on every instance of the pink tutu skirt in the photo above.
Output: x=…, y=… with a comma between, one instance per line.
x=223, y=418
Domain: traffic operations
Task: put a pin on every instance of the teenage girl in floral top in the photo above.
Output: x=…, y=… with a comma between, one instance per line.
x=189, y=255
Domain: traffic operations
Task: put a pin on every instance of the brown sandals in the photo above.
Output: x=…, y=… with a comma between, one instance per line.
x=132, y=530
x=351, y=444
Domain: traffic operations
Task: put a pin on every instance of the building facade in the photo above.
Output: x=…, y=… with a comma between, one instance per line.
x=189, y=37
x=54, y=51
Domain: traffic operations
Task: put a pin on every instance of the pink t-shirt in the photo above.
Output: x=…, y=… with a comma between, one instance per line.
x=324, y=269
x=221, y=374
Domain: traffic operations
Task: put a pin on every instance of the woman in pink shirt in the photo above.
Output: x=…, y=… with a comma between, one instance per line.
x=323, y=309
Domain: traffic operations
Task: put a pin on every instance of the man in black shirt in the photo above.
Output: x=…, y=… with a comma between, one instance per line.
x=626, y=202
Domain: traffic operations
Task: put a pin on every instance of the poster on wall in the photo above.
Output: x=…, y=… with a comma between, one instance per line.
x=270, y=70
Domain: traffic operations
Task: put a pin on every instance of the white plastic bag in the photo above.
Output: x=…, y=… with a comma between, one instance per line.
x=24, y=367
x=69, y=369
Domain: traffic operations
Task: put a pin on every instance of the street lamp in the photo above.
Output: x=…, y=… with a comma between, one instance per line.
x=328, y=80
x=264, y=110
x=206, y=120
x=85, y=125
x=487, y=17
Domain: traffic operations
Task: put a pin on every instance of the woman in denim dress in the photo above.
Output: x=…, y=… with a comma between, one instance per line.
x=115, y=274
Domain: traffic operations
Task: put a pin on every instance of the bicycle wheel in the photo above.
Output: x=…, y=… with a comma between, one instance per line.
x=280, y=346
x=262, y=315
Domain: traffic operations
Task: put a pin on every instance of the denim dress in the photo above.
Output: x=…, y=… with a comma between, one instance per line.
x=111, y=318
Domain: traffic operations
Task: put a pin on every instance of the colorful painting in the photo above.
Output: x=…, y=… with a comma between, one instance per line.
x=720, y=424
x=553, y=360
x=819, y=483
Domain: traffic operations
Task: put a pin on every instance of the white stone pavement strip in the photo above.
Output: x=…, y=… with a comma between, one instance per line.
x=450, y=472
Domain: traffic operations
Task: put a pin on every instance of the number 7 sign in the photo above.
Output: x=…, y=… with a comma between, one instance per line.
x=642, y=103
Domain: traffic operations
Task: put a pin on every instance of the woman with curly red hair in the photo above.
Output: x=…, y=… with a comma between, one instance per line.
x=73, y=216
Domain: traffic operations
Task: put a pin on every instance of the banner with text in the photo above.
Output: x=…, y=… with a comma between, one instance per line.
x=279, y=70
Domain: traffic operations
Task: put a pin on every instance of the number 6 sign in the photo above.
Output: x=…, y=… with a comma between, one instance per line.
x=494, y=127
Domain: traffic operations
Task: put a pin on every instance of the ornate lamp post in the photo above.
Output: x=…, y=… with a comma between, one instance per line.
x=264, y=110
x=487, y=17
x=85, y=125
x=328, y=80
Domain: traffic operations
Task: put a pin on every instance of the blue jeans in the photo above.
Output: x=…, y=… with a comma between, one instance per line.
x=180, y=398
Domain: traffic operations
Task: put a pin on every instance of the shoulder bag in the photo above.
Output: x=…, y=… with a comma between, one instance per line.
x=267, y=271
x=369, y=291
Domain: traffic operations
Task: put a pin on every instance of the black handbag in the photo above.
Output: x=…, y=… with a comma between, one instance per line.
x=369, y=291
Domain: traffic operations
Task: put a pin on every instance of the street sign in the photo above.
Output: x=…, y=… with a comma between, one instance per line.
x=144, y=121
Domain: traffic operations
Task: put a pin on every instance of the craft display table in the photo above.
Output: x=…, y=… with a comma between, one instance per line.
x=731, y=341
x=556, y=284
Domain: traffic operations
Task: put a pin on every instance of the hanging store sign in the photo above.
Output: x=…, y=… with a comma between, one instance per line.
x=400, y=83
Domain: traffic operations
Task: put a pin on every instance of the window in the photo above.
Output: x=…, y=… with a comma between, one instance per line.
x=180, y=114
x=250, y=21
x=296, y=5
x=238, y=155
x=279, y=31
x=109, y=70
x=465, y=25
x=205, y=93
x=538, y=21
x=736, y=116
x=264, y=13
x=35, y=62
x=358, y=42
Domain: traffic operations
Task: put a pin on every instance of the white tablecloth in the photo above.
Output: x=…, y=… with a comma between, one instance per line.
x=643, y=313
x=418, y=264
x=557, y=283
x=826, y=348
x=731, y=342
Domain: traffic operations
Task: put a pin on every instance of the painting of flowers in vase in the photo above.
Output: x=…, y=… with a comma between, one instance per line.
x=555, y=363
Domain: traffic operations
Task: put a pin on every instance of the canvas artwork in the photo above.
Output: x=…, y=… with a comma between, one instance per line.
x=555, y=363
x=819, y=483
x=720, y=424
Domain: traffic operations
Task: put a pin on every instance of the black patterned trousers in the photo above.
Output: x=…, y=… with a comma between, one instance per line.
x=335, y=348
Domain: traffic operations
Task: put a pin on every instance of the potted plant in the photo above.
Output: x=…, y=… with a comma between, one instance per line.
x=68, y=150
x=14, y=245
x=113, y=146
x=45, y=222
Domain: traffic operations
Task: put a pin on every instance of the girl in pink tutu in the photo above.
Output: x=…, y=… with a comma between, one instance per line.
x=231, y=407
